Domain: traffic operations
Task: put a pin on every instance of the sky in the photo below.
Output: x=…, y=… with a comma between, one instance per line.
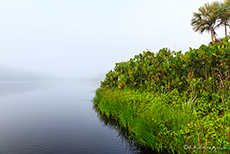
x=85, y=38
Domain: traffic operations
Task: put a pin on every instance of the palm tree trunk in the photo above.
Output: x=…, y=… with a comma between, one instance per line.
x=212, y=34
x=225, y=26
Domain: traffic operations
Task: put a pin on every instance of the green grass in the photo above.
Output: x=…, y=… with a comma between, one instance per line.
x=168, y=121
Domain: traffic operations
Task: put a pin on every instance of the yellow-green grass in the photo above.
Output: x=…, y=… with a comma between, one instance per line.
x=168, y=121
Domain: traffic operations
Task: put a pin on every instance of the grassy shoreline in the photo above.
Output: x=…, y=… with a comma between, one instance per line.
x=172, y=100
x=167, y=121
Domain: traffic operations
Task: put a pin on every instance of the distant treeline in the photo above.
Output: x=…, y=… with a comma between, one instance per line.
x=10, y=73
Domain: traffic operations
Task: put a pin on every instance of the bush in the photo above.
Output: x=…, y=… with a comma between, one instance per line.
x=206, y=68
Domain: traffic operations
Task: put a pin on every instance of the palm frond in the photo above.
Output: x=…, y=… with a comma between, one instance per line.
x=206, y=17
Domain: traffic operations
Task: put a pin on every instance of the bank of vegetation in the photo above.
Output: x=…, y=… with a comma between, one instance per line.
x=172, y=101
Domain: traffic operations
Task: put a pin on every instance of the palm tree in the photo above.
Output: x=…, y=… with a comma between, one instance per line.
x=224, y=14
x=206, y=18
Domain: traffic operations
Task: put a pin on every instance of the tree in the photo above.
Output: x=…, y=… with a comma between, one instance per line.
x=224, y=14
x=205, y=19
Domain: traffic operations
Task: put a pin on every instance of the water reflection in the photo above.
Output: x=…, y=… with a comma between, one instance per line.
x=124, y=135
x=38, y=119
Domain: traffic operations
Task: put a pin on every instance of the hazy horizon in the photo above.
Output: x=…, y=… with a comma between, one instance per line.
x=84, y=39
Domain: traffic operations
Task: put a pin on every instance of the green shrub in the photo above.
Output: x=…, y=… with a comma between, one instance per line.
x=172, y=101
x=206, y=68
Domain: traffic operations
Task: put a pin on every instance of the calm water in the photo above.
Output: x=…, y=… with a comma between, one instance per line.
x=54, y=118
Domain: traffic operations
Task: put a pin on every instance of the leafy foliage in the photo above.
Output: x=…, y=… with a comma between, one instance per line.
x=206, y=68
x=168, y=99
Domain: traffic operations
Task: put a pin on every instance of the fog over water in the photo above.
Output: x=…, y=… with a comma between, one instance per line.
x=45, y=42
x=84, y=39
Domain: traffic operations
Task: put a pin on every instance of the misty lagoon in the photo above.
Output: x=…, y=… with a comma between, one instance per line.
x=54, y=117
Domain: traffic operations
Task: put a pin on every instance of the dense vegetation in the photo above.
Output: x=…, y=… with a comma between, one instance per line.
x=171, y=100
x=200, y=70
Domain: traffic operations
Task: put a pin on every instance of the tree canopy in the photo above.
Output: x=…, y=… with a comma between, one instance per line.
x=212, y=16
